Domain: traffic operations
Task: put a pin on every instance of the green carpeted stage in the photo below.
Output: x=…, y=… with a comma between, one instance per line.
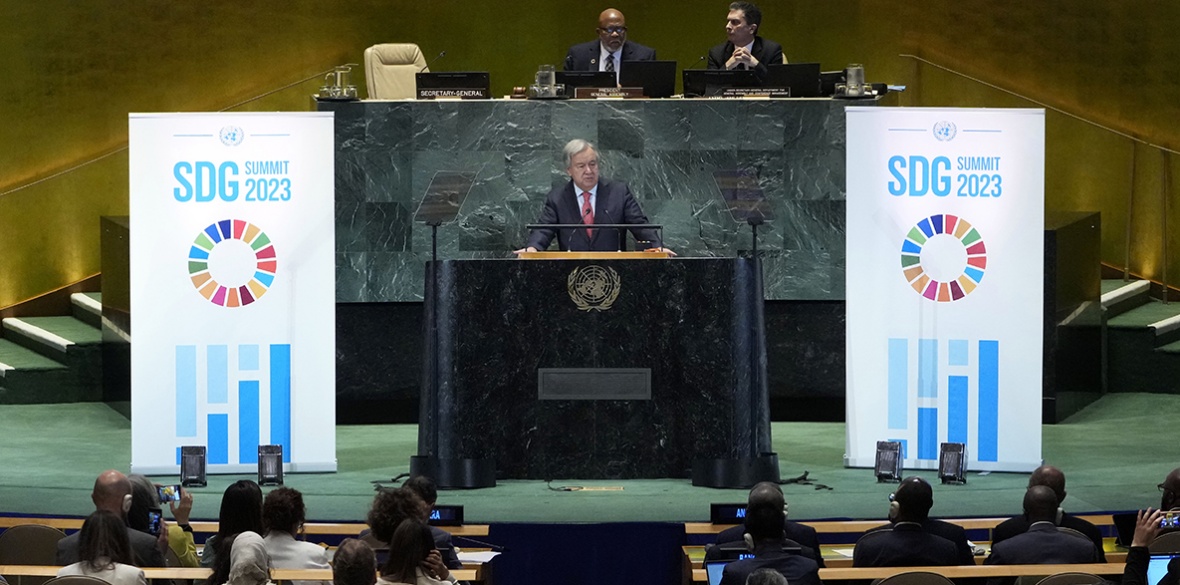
x=1114, y=453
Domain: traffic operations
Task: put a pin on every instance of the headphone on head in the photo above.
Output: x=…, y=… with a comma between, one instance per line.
x=126, y=503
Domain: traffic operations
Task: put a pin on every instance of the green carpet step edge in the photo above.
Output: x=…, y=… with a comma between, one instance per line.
x=1144, y=315
x=20, y=358
x=75, y=330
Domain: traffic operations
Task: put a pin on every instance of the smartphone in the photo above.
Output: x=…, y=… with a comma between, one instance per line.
x=1170, y=520
x=168, y=493
x=155, y=521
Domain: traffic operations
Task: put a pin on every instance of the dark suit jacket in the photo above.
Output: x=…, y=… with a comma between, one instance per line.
x=765, y=51
x=794, y=531
x=442, y=541
x=798, y=570
x=143, y=546
x=584, y=57
x=1019, y=525
x=614, y=204
x=1043, y=544
x=951, y=532
x=905, y=544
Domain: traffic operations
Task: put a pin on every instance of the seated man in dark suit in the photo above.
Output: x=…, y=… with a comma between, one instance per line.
x=951, y=532
x=611, y=50
x=425, y=488
x=112, y=493
x=1054, y=479
x=769, y=494
x=588, y=200
x=764, y=525
x=1044, y=543
x=906, y=543
x=745, y=49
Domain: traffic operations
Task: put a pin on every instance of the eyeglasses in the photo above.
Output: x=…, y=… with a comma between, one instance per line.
x=610, y=30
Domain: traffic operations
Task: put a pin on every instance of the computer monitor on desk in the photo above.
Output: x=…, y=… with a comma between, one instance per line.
x=712, y=82
x=454, y=84
x=802, y=79
x=572, y=79
x=657, y=78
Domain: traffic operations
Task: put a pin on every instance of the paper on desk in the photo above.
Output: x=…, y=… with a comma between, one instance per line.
x=477, y=557
x=847, y=552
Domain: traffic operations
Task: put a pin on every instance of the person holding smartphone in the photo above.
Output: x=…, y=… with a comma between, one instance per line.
x=146, y=515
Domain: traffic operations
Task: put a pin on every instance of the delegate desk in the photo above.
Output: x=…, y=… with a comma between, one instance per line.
x=542, y=364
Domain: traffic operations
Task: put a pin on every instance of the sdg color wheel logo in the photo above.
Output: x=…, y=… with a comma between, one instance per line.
x=943, y=258
x=232, y=263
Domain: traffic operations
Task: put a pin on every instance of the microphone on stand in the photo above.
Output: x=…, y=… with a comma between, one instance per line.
x=436, y=58
x=698, y=62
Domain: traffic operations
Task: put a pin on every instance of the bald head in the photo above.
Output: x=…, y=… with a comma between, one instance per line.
x=915, y=497
x=767, y=494
x=612, y=29
x=1040, y=504
x=1171, y=489
x=110, y=489
x=1050, y=477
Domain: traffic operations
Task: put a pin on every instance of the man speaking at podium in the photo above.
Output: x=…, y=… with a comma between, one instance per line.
x=589, y=200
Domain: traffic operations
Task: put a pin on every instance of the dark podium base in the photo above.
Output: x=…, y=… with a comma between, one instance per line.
x=455, y=473
x=735, y=473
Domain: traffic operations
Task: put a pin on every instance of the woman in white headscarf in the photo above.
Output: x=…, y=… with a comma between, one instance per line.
x=248, y=564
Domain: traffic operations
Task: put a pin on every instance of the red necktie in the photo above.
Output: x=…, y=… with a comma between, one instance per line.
x=587, y=213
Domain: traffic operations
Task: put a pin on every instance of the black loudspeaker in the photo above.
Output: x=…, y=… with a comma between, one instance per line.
x=888, y=465
x=952, y=463
x=270, y=465
x=192, y=466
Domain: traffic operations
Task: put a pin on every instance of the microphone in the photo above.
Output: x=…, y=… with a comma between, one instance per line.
x=480, y=543
x=698, y=62
x=436, y=58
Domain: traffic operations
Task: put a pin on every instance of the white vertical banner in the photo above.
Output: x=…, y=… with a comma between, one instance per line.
x=233, y=289
x=945, y=272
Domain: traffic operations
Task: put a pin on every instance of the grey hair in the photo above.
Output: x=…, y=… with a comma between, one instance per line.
x=766, y=577
x=572, y=148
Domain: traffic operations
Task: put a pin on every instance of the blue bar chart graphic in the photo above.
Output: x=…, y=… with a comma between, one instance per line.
x=248, y=377
x=949, y=370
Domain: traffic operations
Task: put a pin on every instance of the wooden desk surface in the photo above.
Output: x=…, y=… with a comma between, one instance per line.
x=202, y=573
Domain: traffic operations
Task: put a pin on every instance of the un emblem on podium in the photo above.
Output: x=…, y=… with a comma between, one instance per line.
x=593, y=288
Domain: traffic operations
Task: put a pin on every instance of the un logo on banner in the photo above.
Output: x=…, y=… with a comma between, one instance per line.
x=232, y=135
x=593, y=288
x=945, y=131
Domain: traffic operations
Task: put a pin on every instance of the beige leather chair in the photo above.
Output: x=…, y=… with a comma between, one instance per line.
x=390, y=69
x=29, y=544
x=915, y=578
x=1071, y=578
x=1168, y=542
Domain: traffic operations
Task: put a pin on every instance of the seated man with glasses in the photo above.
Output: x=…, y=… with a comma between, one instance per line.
x=611, y=50
x=906, y=543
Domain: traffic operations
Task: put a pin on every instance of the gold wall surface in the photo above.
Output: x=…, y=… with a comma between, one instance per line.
x=75, y=69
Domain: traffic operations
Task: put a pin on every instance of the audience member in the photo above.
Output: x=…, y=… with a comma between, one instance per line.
x=354, y=564
x=906, y=543
x=283, y=514
x=611, y=50
x=1054, y=479
x=764, y=526
x=390, y=508
x=1147, y=527
x=1170, y=491
x=241, y=511
x=249, y=563
x=1043, y=543
x=413, y=560
x=424, y=487
x=766, y=577
x=145, y=500
x=112, y=493
x=104, y=551
x=949, y=531
x=745, y=49
x=794, y=534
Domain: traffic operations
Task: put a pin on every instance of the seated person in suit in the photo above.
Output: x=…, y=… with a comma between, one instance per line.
x=112, y=492
x=1054, y=479
x=1170, y=491
x=1044, y=543
x=588, y=200
x=764, y=536
x=906, y=543
x=1147, y=528
x=611, y=50
x=283, y=514
x=951, y=532
x=769, y=494
x=424, y=487
x=745, y=49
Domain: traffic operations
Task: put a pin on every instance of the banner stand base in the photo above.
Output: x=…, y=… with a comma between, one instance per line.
x=735, y=473
x=455, y=473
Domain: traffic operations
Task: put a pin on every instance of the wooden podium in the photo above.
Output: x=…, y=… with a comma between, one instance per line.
x=596, y=366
